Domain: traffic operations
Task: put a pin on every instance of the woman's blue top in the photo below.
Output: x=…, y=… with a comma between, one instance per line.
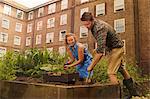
x=82, y=67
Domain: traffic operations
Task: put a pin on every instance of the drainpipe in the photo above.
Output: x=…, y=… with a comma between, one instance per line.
x=33, y=29
x=72, y=16
x=137, y=32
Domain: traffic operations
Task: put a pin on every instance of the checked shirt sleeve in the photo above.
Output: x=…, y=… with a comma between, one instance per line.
x=101, y=39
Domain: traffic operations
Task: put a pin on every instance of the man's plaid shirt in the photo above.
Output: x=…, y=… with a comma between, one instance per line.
x=105, y=36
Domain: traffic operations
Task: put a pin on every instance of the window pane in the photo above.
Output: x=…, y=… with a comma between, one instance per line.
x=18, y=27
x=63, y=19
x=28, y=41
x=64, y=4
x=118, y=5
x=5, y=23
x=52, y=8
x=7, y=10
x=17, y=40
x=62, y=35
x=119, y=25
x=83, y=32
x=38, y=39
x=50, y=22
x=100, y=9
x=19, y=14
x=49, y=37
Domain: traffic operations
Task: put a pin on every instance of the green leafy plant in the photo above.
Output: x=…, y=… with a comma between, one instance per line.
x=8, y=66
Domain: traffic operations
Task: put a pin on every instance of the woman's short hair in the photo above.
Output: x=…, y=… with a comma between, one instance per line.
x=68, y=35
x=87, y=16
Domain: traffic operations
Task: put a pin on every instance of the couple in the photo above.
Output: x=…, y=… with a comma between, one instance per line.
x=107, y=40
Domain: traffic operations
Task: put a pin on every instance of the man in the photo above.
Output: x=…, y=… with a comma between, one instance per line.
x=108, y=40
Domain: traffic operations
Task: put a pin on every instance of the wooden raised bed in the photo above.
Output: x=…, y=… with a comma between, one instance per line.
x=22, y=90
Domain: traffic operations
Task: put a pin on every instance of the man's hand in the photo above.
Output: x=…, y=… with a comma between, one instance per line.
x=89, y=69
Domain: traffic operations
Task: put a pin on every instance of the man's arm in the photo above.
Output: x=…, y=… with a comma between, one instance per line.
x=96, y=59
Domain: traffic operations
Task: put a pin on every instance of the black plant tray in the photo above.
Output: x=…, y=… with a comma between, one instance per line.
x=62, y=78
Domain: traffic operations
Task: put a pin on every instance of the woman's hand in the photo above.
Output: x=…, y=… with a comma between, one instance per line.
x=67, y=67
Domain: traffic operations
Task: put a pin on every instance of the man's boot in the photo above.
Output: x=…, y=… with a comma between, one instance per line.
x=130, y=86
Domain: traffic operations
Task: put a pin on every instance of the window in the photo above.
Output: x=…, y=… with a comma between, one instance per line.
x=83, y=10
x=63, y=19
x=2, y=51
x=50, y=22
x=64, y=4
x=19, y=14
x=119, y=25
x=39, y=25
x=17, y=40
x=40, y=12
x=62, y=35
x=52, y=8
x=50, y=49
x=62, y=50
x=49, y=37
x=28, y=41
x=118, y=5
x=83, y=1
x=5, y=23
x=100, y=9
x=83, y=32
x=30, y=15
x=38, y=39
x=29, y=28
x=18, y=27
x=3, y=37
x=7, y=10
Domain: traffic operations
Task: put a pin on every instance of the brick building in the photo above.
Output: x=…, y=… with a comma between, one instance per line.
x=45, y=26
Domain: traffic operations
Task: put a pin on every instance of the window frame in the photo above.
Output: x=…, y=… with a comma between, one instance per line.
x=83, y=28
x=17, y=42
x=20, y=27
x=64, y=4
x=38, y=39
x=39, y=25
x=3, y=38
x=7, y=9
x=3, y=24
x=50, y=37
x=61, y=36
x=52, y=8
x=51, y=22
x=119, y=23
x=101, y=9
x=18, y=13
x=28, y=41
x=119, y=5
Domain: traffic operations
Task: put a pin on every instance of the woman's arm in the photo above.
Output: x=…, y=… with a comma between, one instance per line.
x=71, y=56
x=80, y=56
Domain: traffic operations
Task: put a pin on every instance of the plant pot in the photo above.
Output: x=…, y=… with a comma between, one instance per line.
x=62, y=78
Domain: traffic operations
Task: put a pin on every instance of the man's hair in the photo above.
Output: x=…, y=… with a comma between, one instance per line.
x=87, y=16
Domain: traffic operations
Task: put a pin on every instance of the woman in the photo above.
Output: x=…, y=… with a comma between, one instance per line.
x=79, y=53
